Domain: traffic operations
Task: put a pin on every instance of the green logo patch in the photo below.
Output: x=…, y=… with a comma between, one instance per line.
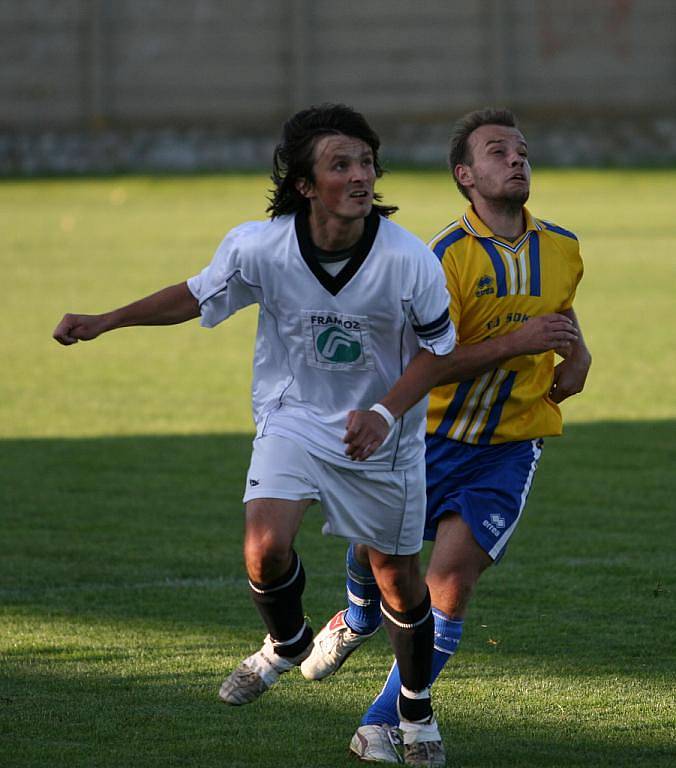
x=338, y=346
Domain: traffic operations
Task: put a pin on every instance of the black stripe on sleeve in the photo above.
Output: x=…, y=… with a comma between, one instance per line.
x=434, y=329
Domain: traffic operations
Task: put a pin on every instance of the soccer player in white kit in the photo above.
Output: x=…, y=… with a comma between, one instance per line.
x=353, y=327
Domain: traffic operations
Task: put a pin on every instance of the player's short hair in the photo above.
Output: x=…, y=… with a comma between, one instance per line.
x=459, y=151
x=293, y=158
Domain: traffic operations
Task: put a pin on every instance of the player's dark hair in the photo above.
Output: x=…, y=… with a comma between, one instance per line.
x=460, y=152
x=294, y=155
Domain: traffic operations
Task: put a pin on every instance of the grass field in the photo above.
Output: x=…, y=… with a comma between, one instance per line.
x=122, y=596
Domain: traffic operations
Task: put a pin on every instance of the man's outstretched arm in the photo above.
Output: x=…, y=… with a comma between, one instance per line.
x=171, y=305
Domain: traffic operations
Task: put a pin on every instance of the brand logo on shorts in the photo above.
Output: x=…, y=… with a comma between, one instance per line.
x=496, y=525
x=497, y=520
x=253, y=482
x=338, y=345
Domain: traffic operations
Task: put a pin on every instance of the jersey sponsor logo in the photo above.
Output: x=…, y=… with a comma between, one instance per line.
x=336, y=341
x=338, y=346
x=335, y=320
x=484, y=286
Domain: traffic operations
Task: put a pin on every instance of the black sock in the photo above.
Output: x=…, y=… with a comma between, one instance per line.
x=411, y=634
x=279, y=604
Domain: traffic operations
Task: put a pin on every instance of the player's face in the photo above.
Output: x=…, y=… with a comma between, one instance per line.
x=499, y=170
x=344, y=178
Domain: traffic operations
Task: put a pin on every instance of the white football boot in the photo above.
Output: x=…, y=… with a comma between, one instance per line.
x=331, y=648
x=256, y=674
x=376, y=744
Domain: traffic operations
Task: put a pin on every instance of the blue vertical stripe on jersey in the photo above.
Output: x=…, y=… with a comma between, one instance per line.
x=496, y=411
x=518, y=276
x=534, y=256
x=480, y=394
x=559, y=230
x=445, y=242
x=498, y=265
x=454, y=408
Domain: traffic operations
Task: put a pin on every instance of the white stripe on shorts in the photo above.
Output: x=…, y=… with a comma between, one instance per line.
x=500, y=545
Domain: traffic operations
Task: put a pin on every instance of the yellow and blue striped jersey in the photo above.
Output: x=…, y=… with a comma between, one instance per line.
x=495, y=286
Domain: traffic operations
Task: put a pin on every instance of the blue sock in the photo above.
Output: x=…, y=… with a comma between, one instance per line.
x=363, y=597
x=447, y=634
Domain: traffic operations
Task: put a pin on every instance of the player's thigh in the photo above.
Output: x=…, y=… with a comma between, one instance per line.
x=273, y=523
x=456, y=563
x=456, y=550
x=384, y=510
x=281, y=469
x=280, y=486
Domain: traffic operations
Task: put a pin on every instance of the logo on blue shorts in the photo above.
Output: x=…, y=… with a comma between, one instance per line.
x=496, y=524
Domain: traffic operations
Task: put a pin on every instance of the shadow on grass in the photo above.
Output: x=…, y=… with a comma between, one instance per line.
x=123, y=555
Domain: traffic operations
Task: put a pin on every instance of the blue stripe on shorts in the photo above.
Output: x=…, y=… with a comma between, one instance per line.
x=486, y=484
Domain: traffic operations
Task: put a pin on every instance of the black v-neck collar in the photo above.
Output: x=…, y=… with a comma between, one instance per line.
x=335, y=283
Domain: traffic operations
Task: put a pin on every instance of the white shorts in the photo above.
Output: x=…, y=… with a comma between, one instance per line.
x=383, y=509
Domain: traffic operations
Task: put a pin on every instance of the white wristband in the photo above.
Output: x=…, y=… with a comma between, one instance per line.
x=384, y=412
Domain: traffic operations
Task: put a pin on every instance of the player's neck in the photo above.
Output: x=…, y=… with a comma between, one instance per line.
x=334, y=234
x=504, y=219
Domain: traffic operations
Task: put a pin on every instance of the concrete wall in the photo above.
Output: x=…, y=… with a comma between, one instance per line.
x=236, y=68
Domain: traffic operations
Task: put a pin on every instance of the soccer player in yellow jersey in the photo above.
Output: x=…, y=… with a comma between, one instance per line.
x=512, y=278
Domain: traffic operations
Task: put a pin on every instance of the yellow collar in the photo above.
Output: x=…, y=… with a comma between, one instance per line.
x=473, y=225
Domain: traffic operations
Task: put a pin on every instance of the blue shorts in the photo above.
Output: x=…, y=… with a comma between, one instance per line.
x=487, y=485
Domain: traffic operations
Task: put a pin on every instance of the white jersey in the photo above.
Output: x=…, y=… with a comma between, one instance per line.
x=328, y=344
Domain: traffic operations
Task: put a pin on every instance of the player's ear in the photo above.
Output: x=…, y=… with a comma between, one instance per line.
x=463, y=174
x=304, y=187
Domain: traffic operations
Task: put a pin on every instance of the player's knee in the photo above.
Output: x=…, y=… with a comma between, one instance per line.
x=400, y=581
x=265, y=558
x=451, y=590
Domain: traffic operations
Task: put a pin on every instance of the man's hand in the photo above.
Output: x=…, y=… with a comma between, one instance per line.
x=540, y=334
x=74, y=328
x=171, y=305
x=570, y=375
x=365, y=432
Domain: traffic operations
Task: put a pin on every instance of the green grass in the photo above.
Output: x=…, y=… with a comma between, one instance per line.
x=122, y=596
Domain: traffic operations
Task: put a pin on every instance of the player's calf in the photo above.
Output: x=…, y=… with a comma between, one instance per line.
x=411, y=635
